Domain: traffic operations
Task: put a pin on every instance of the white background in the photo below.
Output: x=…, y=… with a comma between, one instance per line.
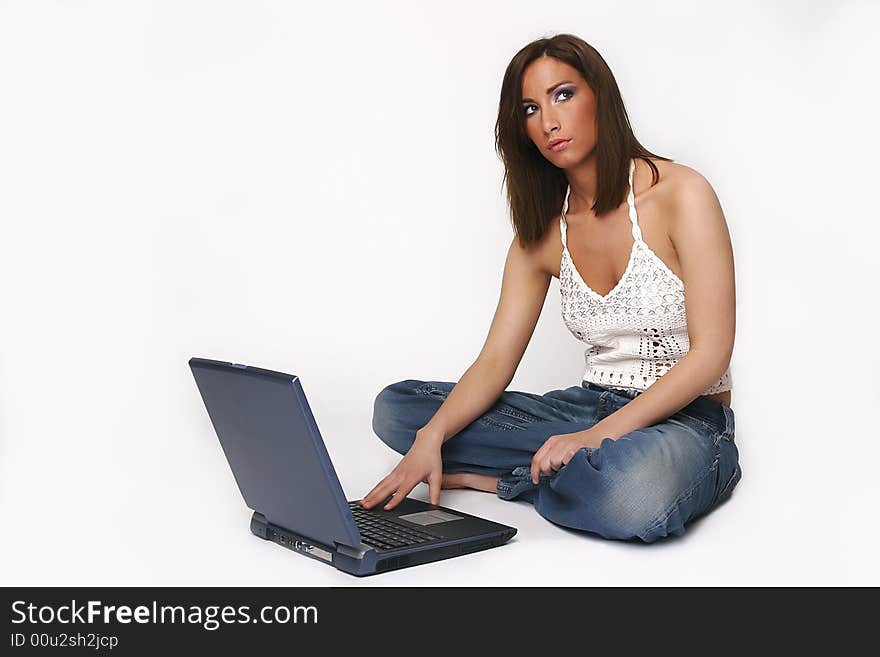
x=314, y=189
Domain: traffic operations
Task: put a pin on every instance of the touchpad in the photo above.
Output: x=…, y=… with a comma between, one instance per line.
x=430, y=517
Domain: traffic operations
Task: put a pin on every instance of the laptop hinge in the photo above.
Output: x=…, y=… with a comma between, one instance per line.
x=353, y=552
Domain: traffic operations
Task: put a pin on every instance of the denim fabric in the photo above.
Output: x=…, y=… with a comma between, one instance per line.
x=645, y=485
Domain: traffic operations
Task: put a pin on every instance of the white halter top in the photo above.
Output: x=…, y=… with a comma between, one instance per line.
x=637, y=331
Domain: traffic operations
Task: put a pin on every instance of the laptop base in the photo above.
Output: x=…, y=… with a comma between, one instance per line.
x=364, y=560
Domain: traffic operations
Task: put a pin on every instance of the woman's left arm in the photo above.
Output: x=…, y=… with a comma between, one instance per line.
x=699, y=233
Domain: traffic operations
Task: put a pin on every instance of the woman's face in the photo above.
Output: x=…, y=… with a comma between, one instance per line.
x=559, y=104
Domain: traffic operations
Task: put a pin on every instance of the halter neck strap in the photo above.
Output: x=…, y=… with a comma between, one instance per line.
x=630, y=200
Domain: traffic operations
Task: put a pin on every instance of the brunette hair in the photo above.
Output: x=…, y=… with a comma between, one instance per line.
x=535, y=187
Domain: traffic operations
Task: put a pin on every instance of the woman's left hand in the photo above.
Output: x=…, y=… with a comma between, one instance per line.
x=558, y=450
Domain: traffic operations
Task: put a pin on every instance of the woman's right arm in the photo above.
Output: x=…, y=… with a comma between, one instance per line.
x=523, y=291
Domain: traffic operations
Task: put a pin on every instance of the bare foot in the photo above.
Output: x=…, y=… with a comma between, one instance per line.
x=482, y=482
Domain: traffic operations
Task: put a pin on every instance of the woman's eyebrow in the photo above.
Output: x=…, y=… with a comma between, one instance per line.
x=558, y=84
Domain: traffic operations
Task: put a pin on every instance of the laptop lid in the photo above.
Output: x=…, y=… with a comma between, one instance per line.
x=273, y=446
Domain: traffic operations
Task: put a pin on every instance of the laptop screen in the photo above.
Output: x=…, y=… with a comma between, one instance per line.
x=273, y=446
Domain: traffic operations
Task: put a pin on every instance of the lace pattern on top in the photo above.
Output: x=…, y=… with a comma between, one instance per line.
x=638, y=331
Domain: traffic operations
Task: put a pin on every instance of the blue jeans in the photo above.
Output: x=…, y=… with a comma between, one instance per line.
x=645, y=485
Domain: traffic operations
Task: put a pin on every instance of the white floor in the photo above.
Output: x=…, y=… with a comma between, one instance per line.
x=138, y=515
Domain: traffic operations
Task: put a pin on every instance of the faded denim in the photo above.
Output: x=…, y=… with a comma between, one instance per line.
x=645, y=485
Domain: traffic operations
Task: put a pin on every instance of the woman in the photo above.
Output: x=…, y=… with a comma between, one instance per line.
x=646, y=442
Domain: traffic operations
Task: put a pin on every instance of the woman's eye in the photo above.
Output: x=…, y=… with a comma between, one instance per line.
x=570, y=93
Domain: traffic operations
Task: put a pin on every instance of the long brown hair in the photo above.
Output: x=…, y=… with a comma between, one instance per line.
x=536, y=187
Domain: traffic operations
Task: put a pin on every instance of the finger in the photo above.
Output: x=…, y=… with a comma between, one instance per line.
x=546, y=465
x=367, y=499
x=391, y=499
x=379, y=492
x=434, y=481
x=563, y=456
x=539, y=460
x=399, y=495
x=536, y=463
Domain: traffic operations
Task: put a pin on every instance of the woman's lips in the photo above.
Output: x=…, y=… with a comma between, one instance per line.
x=560, y=146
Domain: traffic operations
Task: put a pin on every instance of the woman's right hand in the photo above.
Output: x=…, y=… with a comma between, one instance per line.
x=422, y=463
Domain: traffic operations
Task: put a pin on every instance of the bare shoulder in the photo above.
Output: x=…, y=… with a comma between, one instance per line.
x=540, y=256
x=680, y=191
x=694, y=209
x=672, y=176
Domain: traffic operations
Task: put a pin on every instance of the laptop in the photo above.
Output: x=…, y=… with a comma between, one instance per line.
x=282, y=468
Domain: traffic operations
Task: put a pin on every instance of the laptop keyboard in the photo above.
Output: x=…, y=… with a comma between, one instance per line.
x=381, y=532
